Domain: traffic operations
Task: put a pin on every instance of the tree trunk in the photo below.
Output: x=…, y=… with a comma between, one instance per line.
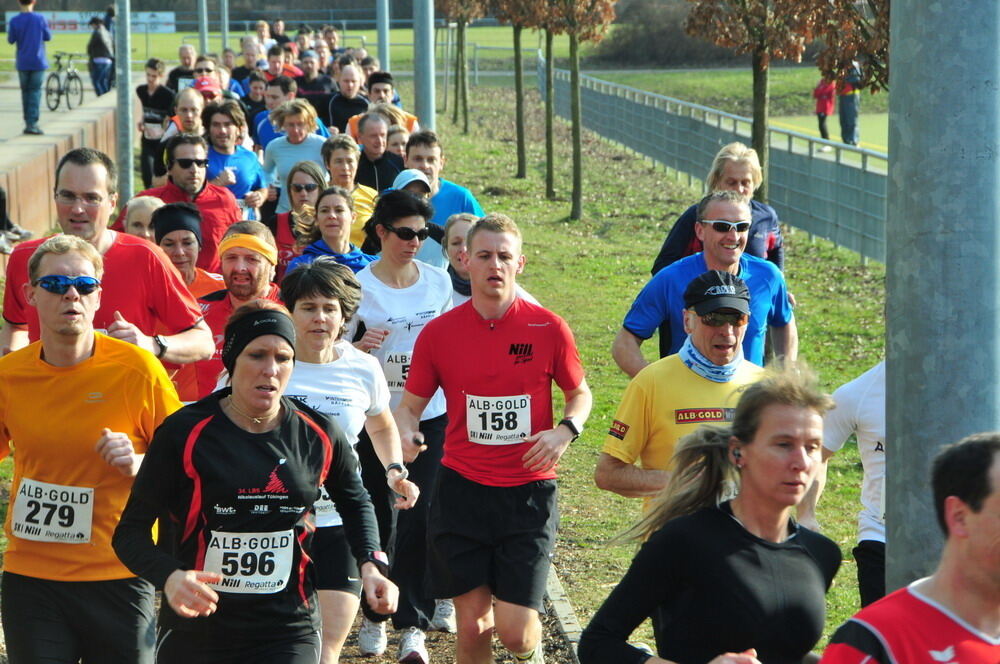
x=522, y=165
x=576, y=211
x=550, y=166
x=465, y=81
x=458, y=69
x=761, y=103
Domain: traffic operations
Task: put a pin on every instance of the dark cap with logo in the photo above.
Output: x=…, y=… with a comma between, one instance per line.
x=716, y=290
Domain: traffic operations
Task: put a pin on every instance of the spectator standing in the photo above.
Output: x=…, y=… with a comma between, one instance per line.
x=100, y=55
x=29, y=32
x=850, y=103
x=824, y=92
x=157, y=101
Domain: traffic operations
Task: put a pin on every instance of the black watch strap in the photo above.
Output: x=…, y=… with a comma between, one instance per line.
x=379, y=559
x=569, y=424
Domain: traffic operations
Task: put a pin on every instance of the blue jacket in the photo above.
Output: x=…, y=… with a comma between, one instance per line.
x=354, y=259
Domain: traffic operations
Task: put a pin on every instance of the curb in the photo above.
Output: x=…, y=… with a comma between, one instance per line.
x=569, y=624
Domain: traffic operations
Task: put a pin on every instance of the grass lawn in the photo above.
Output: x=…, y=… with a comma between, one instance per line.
x=731, y=90
x=589, y=272
x=874, y=128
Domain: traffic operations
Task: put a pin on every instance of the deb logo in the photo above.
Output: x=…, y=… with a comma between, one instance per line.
x=261, y=509
x=618, y=430
x=698, y=415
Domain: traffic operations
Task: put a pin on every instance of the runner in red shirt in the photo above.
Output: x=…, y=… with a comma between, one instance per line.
x=186, y=183
x=248, y=255
x=952, y=616
x=140, y=287
x=495, y=357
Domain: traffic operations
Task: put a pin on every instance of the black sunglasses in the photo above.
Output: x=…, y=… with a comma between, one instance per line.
x=720, y=318
x=406, y=233
x=310, y=187
x=188, y=163
x=59, y=284
x=203, y=70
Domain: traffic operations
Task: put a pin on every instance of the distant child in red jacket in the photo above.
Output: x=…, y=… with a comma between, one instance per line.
x=824, y=92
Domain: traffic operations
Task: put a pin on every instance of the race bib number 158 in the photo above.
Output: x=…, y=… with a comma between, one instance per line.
x=498, y=420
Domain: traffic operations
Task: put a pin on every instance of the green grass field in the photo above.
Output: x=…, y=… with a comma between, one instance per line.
x=874, y=128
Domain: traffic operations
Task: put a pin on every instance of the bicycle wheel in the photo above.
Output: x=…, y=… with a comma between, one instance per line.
x=53, y=90
x=74, y=90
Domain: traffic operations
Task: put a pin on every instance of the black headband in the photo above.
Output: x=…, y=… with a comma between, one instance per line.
x=171, y=218
x=251, y=326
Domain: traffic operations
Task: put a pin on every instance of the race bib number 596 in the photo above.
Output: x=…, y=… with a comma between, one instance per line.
x=250, y=562
x=52, y=512
x=498, y=420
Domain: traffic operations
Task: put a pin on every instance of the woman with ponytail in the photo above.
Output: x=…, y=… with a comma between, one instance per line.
x=730, y=580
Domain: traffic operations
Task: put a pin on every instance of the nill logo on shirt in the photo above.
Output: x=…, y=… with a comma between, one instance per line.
x=522, y=353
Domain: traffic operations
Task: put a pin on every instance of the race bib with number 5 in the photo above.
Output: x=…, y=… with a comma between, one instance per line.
x=52, y=513
x=250, y=563
x=498, y=420
x=397, y=367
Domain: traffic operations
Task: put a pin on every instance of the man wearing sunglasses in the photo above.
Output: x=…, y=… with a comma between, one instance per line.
x=722, y=227
x=65, y=594
x=142, y=292
x=673, y=396
x=187, y=161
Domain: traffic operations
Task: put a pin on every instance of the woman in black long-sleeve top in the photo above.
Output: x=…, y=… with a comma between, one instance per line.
x=233, y=479
x=738, y=582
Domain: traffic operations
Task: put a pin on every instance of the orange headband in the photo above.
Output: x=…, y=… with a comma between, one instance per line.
x=251, y=242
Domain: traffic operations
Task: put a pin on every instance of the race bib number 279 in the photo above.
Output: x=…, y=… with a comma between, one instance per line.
x=498, y=420
x=47, y=512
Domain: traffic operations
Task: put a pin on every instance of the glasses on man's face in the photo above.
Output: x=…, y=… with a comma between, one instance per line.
x=405, y=233
x=723, y=226
x=720, y=318
x=188, y=163
x=87, y=200
x=204, y=70
x=310, y=187
x=59, y=284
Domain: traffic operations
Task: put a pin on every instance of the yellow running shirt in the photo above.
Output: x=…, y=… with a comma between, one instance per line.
x=666, y=401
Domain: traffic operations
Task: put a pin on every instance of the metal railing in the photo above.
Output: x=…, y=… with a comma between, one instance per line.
x=827, y=189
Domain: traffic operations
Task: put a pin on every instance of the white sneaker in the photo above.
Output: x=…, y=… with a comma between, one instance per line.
x=825, y=148
x=411, y=646
x=444, y=616
x=372, y=639
x=537, y=657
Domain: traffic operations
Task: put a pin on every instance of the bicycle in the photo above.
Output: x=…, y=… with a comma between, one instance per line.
x=65, y=80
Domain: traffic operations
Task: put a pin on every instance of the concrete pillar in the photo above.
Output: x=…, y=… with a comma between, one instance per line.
x=202, y=26
x=382, y=24
x=943, y=242
x=423, y=62
x=123, y=87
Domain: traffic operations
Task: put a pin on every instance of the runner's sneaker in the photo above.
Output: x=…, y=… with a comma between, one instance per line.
x=444, y=616
x=536, y=657
x=17, y=233
x=372, y=639
x=6, y=248
x=411, y=646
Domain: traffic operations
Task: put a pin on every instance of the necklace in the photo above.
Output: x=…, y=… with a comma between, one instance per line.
x=255, y=420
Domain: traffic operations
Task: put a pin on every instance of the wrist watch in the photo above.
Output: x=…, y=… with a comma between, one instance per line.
x=571, y=424
x=379, y=559
x=161, y=343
